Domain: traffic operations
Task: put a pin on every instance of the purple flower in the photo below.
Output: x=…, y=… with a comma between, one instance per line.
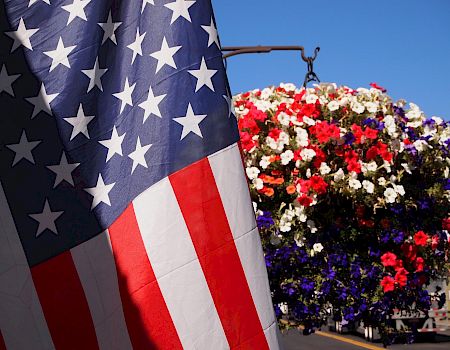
x=399, y=111
x=307, y=285
x=265, y=220
x=447, y=185
x=349, y=138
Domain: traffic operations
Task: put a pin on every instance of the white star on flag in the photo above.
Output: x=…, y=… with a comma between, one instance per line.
x=165, y=55
x=46, y=219
x=76, y=9
x=230, y=105
x=100, y=192
x=212, y=32
x=138, y=155
x=109, y=28
x=95, y=74
x=180, y=8
x=151, y=105
x=204, y=76
x=23, y=149
x=79, y=123
x=136, y=46
x=145, y=2
x=63, y=170
x=190, y=123
x=60, y=54
x=41, y=101
x=21, y=36
x=114, y=144
x=6, y=81
x=32, y=2
x=125, y=95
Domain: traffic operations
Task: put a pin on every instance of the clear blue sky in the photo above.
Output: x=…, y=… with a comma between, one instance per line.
x=403, y=45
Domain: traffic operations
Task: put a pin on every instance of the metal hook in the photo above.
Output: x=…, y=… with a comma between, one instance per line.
x=310, y=75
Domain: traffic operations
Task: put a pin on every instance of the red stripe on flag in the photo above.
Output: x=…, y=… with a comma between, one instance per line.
x=202, y=208
x=148, y=320
x=2, y=342
x=64, y=304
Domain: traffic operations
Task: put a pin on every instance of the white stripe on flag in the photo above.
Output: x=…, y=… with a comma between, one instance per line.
x=96, y=269
x=233, y=188
x=22, y=321
x=177, y=269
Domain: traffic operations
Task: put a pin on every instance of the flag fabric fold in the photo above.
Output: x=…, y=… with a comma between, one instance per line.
x=125, y=217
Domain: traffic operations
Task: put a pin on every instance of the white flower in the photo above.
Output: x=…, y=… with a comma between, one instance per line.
x=446, y=172
x=324, y=168
x=382, y=181
x=421, y=145
x=407, y=168
x=399, y=189
x=255, y=207
x=309, y=121
x=333, y=106
x=266, y=93
x=302, y=137
x=288, y=86
x=390, y=195
x=286, y=157
x=264, y=162
x=300, y=213
x=355, y=184
x=371, y=107
x=368, y=186
x=252, y=172
x=339, y=175
x=438, y=120
x=311, y=98
x=258, y=183
x=358, y=107
x=307, y=154
x=298, y=240
x=312, y=226
x=308, y=173
x=317, y=247
x=284, y=119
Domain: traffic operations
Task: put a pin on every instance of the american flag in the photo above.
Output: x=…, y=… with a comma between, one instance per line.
x=125, y=218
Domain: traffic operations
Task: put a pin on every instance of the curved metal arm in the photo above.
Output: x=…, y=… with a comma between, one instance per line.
x=239, y=50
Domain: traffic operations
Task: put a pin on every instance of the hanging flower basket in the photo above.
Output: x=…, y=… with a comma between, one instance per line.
x=352, y=196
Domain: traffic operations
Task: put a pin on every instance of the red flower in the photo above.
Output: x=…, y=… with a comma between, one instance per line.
x=398, y=265
x=419, y=264
x=388, y=284
x=420, y=238
x=371, y=134
x=275, y=133
x=388, y=259
x=409, y=251
x=401, y=277
x=376, y=86
x=434, y=242
x=309, y=110
x=318, y=184
x=305, y=200
x=247, y=142
x=380, y=149
x=324, y=132
x=354, y=166
x=446, y=224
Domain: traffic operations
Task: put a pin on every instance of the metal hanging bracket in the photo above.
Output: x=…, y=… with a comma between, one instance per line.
x=239, y=50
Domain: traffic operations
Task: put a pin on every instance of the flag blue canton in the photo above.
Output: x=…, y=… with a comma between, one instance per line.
x=101, y=100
